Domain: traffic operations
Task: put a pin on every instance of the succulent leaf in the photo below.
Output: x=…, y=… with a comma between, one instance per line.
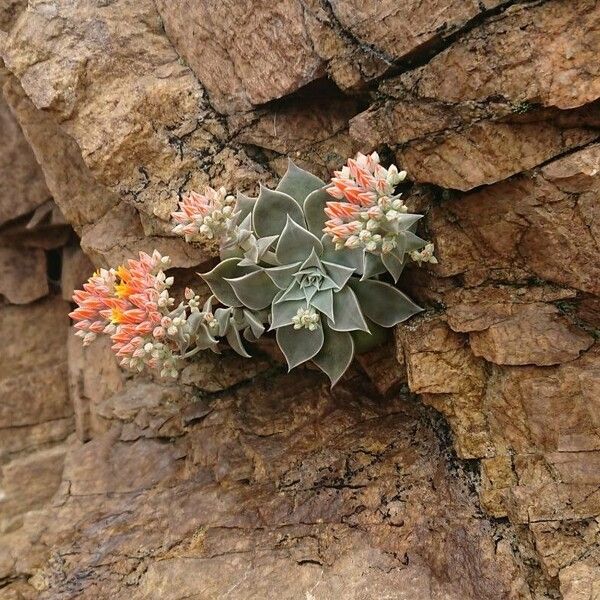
x=271, y=211
x=323, y=302
x=235, y=341
x=383, y=303
x=244, y=205
x=254, y=324
x=394, y=263
x=283, y=312
x=294, y=292
x=339, y=274
x=336, y=354
x=347, y=312
x=314, y=211
x=347, y=257
x=298, y=183
x=254, y=290
x=299, y=345
x=296, y=243
x=217, y=280
x=283, y=276
x=372, y=265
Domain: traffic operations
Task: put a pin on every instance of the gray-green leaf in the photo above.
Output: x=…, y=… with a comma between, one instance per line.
x=255, y=290
x=383, y=303
x=347, y=315
x=271, y=212
x=298, y=183
x=314, y=211
x=336, y=354
x=216, y=280
x=299, y=345
x=296, y=243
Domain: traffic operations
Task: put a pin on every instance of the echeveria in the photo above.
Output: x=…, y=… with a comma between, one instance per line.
x=293, y=261
x=316, y=296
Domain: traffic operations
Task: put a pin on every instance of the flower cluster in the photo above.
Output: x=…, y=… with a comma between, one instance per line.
x=205, y=218
x=425, y=255
x=292, y=261
x=367, y=211
x=133, y=306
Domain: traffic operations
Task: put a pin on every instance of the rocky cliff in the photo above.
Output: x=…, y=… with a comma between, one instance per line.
x=462, y=460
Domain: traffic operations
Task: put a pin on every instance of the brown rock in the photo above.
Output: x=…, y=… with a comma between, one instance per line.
x=23, y=274
x=76, y=270
x=532, y=223
x=22, y=186
x=28, y=482
x=244, y=53
x=119, y=235
x=539, y=54
x=530, y=334
x=400, y=31
x=474, y=114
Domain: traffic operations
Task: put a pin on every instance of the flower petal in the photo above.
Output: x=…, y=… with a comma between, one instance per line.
x=272, y=210
x=296, y=243
x=298, y=183
x=299, y=345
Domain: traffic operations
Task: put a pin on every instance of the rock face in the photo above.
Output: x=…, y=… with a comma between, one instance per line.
x=459, y=461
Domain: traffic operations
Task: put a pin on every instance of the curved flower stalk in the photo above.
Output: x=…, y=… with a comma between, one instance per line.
x=292, y=261
x=368, y=223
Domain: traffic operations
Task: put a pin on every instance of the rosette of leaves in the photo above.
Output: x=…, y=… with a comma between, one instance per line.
x=294, y=269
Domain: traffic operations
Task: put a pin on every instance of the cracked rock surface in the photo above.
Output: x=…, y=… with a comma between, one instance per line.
x=461, y=461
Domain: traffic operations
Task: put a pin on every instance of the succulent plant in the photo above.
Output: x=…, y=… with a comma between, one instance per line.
x=293, y=261
x=317, y=297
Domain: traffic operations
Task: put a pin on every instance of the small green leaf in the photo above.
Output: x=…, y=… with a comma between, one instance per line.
x=235, y=341
x=339, y=274
x=347, y=315
x=296, y=243
x=216, y=280
x=244, y=205
x=298, y=183
x=314, y=211
x=299, y=345
x=294, y=292
x=372, y=265
x=323, y=301
x=283, y=312
x=383, y=303
x=272, y=210
x=345, y=256
x=283, y=276
x=255, y=290
x=254, y=323
x=336, y=354
x=393, y=263
x=413, y=242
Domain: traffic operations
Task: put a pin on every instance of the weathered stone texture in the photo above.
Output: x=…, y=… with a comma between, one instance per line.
x=244, y=482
